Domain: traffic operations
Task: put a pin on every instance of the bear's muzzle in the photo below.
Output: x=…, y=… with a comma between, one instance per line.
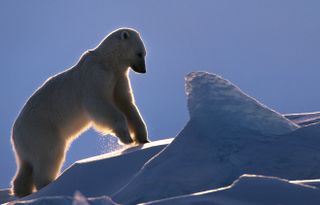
x=139, y=68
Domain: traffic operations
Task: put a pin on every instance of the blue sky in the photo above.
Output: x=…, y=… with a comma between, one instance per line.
x=270, y=49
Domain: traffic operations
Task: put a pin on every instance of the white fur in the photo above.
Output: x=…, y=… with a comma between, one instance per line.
x=95, y=92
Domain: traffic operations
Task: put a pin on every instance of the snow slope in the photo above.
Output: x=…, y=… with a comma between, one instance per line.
x=229, y=134
x=100, y=175
x=251, y=189
x=97, y=176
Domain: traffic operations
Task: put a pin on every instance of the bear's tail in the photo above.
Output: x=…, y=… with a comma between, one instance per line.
x=22, y=184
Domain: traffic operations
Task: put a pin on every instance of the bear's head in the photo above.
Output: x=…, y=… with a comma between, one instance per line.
x=126, y=49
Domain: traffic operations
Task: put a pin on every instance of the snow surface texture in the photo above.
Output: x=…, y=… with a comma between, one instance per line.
x=229, y=134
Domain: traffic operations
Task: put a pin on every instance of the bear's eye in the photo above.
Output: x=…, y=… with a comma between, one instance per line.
x=140, y=55
x=124, y=35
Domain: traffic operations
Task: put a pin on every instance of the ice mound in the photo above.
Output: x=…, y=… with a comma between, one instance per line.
x=210, y=93
x=229, y=134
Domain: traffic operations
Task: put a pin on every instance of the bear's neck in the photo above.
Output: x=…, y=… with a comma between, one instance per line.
x=107, y=62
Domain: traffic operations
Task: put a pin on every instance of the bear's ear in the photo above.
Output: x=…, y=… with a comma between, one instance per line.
x=124, y=35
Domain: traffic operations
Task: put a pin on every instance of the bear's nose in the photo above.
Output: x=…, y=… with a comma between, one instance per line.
x=139, y=69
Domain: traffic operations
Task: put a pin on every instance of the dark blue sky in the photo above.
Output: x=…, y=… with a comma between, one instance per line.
x=270, y=49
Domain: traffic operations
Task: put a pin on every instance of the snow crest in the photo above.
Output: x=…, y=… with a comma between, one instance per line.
x=213, y=95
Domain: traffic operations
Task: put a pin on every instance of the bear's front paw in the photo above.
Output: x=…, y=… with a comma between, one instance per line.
x=126, y=141
x=144, y=141
x=124, y=136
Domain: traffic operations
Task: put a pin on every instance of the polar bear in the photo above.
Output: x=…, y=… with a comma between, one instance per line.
x=95, y=92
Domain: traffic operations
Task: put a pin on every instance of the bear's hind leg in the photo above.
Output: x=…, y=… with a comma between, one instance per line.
x=48, y=165
x=23, y=180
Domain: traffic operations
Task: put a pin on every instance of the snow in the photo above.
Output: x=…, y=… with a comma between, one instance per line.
x=4, y=196
x=311, y=182
x=78, y=199
x=214, y=149
x=233, y=150
x=102, y=175
x=304, y=118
